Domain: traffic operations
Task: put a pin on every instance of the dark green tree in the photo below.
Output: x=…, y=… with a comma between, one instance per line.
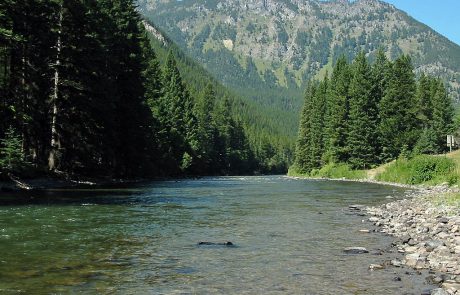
x=424, y=101
x=398, y=110
x=362, y=135
x=176, y=111
x=443, y=113
x=337, y=112
x=207, y=131
x=427, y=142
x=11, y=155
x=380, y=74
x=303, y=156
x=318, y=110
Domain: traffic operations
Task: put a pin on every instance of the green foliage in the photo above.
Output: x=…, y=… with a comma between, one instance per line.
x=337, y=171
x=336, y=116
x=421, y=169
x=83, y=84
x=365, y=115
x=397, y=109
x=11, y=155
x=427, y=143
x=303, y=154
x=362, y=119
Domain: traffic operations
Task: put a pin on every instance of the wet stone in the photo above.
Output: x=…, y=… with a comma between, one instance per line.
x=355, y=250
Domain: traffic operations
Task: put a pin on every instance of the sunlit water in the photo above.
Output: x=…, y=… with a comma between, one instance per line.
x=289, y=236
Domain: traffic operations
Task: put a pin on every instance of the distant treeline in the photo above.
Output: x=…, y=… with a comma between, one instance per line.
x=365, y=114
x=82, y=93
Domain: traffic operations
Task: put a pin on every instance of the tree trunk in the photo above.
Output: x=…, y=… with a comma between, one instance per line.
x=55, y=142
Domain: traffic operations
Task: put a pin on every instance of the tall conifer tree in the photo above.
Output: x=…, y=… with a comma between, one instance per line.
x=303, y=156
x=398, y=110
x=362, y=135
x=337, y=111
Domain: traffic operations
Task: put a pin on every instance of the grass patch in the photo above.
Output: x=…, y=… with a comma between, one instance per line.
x=340, y=170
x=331, y=170
x=421, y=169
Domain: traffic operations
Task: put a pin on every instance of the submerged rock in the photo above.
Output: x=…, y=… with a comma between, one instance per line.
x=355, y=250
x=206, y=243
x=356, y=207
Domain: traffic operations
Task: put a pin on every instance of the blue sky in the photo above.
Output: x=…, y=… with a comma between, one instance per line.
x=441, y=15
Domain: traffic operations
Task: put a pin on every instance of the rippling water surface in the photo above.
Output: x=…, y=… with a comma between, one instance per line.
x=289, y=235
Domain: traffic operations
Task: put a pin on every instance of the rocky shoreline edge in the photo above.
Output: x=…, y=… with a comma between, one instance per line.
x=427, y=234
x=426, y=231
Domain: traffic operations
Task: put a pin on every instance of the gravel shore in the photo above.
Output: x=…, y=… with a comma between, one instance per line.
x=427, y=231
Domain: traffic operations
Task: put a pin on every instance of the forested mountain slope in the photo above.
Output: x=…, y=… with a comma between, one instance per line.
x=273, y=148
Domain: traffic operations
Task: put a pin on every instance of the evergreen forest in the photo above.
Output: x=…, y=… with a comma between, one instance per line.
x=83, y=93
x=364, y=114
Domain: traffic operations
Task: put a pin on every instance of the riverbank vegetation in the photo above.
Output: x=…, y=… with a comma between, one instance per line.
x=367, y=114
x=422, y=169
x=83, y=93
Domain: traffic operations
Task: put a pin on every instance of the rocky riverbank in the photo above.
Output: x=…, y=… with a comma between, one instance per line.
x=426, y=225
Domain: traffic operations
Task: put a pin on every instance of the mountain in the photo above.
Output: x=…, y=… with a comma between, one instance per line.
x=268, y=49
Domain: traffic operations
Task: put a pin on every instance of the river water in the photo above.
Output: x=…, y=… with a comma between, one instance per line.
x=142, y=239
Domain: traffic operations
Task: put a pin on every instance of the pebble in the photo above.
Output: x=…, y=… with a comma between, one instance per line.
x=396, y=263
x=375, y=266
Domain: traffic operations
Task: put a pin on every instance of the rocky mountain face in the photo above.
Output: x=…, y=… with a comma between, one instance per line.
x=268, y=49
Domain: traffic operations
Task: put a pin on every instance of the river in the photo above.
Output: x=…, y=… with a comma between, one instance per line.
x=142, y=239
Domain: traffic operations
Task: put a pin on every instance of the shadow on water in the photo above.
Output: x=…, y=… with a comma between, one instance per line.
x=139, y=193
x=128, y=194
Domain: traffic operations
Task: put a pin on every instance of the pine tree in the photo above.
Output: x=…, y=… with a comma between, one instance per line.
x=153, y=82
x=443, y=113
x=362, y=134
x=380, y=75
x=303, y=154
x=176, y=109
x=427, y=143
x=424, y=101
x=311, y=139
x=317, y=123
x=397, y=110
x=337, y=112
x=207, y=131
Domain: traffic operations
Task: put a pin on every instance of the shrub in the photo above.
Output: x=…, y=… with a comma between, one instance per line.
x=426, y=168
x=11, y=156
x=421, y=169
x=340, y=170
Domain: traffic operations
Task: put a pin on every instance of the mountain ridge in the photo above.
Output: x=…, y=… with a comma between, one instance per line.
x=284, y=43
